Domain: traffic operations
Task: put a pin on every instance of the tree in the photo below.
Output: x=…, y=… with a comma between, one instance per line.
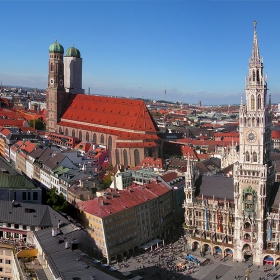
x=39, y=124
x=57, y=201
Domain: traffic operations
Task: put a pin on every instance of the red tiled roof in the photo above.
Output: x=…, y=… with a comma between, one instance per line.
x=150, y=161
x=203, y=156
x=275, y=134
x=189, y=151
x=116, y=201
x=136, y=144
x=108, y=111
x=84, y=146
x=5, y=132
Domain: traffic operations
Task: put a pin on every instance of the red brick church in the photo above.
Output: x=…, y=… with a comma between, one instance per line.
x=124, y=126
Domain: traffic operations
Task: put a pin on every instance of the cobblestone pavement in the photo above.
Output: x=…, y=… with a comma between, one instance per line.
x=145, y=266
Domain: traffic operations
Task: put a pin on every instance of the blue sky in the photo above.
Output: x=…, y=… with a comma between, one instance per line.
x=198, y=50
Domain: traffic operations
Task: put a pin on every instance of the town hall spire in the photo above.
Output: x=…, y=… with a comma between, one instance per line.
x=255, y=58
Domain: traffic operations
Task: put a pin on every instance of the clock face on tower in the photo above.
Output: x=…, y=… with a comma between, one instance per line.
x=251, y=136
x=51, y=81
x=61, y=82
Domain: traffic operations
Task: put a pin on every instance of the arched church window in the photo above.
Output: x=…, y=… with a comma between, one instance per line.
x=253, y=102
x=259, y=101
x=258, y=75
x=102, y=139
x=110, y=144
x=125, y=161
x=51, y=67
x=80, y=135
x=247, y=225
x=254, y=75
x=94, y=138
x=66, y=131
x=117, y=156
x=136, y=157
x=73, y=133
x=87, y=137
x=255, y=157
x=247, y=156
x=247, y=236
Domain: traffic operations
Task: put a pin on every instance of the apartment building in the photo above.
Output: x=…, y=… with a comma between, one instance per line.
x=122, y=220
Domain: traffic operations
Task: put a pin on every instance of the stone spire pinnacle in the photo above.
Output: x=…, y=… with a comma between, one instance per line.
x=255, y=58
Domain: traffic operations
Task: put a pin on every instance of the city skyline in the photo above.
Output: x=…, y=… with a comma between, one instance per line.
x=197, y=50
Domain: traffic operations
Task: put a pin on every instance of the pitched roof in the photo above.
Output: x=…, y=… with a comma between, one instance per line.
x=117, y=201
x=217, y=186
x=103, y=112
x=28, y=214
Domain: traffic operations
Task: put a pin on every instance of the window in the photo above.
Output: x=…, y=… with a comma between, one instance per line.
x=73, y=133
x=87, y=137
x=35, y=196
x=117, y=156
x=125, y=158
x=247, y=156
x=16, y=225
x=136, y=157
x=7, y=261
x=8, y=225
x=66, y=131
x=15, y=196
x=24, y=196
x=8, y=270
x=24, y=227
x=255, y=157
x=32, y=228
x=28, y=195
x=80, y=135
x=259, y=101
x=94, y=138
x=102, y=139
x=252, y=102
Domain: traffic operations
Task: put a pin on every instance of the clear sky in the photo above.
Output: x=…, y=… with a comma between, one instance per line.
x=198, y=50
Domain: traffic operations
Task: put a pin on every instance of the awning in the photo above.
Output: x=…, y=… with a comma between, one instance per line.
x=229, y=251
x=269, y=259
x=151, y=243
x=218, y=249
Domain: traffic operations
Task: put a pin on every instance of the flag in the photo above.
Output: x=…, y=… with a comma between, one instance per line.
x=206, y=219
x=269, y=236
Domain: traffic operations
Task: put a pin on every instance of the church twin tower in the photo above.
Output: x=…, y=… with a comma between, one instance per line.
x=65, y=77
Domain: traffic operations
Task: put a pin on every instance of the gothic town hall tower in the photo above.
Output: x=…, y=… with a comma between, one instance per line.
x=254, y=172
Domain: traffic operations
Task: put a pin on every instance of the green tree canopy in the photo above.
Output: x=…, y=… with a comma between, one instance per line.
x=39, y=124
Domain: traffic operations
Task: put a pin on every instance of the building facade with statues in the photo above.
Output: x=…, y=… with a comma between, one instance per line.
x=239, y=216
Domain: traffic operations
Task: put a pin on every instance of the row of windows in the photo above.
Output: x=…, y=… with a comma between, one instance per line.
x=6, y=261
x=27, y=195
x=94, y=137
x=125, y=158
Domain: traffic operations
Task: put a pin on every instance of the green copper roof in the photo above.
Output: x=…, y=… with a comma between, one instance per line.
x=72, y=51
x=56, y=48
